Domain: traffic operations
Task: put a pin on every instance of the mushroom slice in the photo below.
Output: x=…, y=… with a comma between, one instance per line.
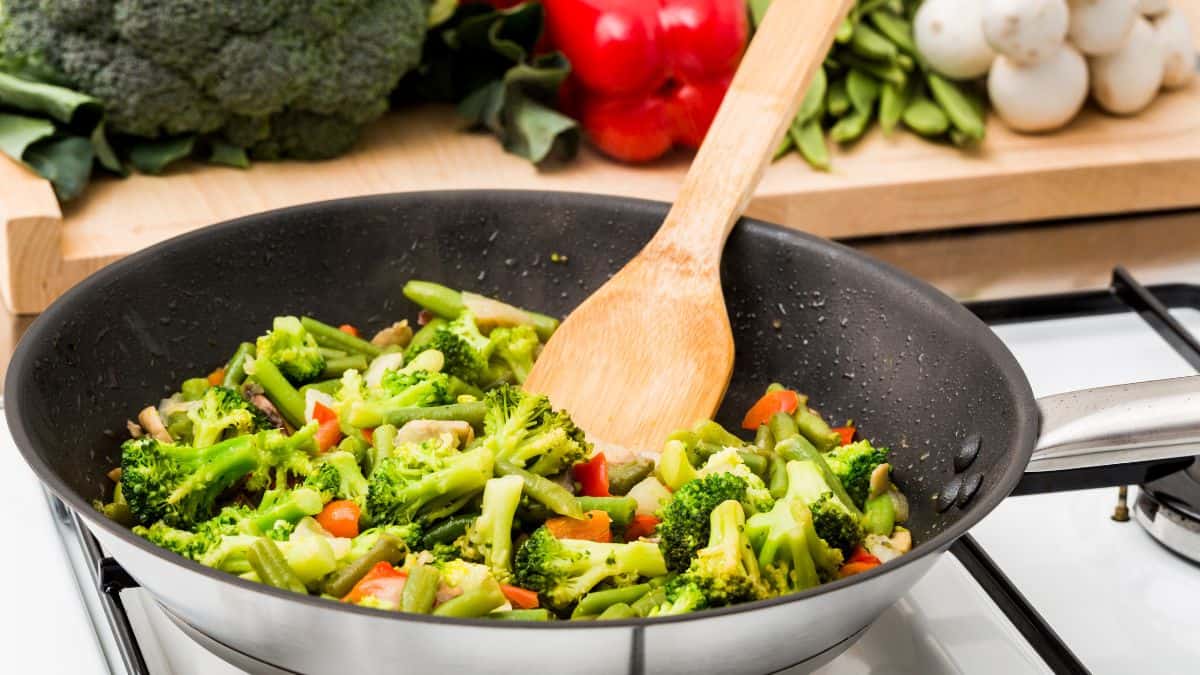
x=398, y=334
x=153, y=424
x=416, y=431
x=135, y=430
x=880, y=479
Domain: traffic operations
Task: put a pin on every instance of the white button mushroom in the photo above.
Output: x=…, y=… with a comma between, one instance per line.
x=1153, y=7
x=1026, y=31
x=1175, y=39
x=1126, y=80
x=1100, y=26
x=1042, y=96
x=949, y=34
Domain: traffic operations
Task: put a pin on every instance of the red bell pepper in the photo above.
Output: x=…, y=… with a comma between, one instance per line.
x=383, y=582
x=847, y=434
x=782, y=400
x=329, y=433
x=592, y=476
x=647, y=74
x=642, y=525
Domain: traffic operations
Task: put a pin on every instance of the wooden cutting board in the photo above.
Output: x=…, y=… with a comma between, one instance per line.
x=1099, y=164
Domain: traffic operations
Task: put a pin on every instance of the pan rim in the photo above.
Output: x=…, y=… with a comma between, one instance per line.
x=1027, y=421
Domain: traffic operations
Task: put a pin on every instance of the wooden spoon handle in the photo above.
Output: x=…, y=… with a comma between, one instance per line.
x=789, y=46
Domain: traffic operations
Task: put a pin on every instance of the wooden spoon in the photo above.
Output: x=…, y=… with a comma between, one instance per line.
x=651, y=351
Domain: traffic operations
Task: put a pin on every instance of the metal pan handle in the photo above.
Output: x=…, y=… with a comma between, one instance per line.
x=1115, y=435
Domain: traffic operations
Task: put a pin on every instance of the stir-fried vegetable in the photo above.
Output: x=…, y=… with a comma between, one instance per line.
x=424, y=480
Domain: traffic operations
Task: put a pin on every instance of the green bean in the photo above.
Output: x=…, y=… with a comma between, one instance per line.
x=386, y=549
x=814, y=428
x=235, y=369
x=272, y=569
x=425, y=333
x=957, y=104
x=814, y=97
x=837, y=100
x=367, y=415
x=712, y=432
x=596, y=602
x=868, y=43
x=796, y=448
x=756, y=462
x=783, y=426
x=863, y=91
x=763, y=440
x=420, y=591
x=281, y=392
x=617, y=611
x=543, y=490
x=335, y=367
x=925, y=117
x=324, y=386
x=649, y=601
x=442, y=301
x=448, y=530
x=540, y=614
x=892, y=102
x=622, y=476
x=777, y=480
x=329, y=336
x=383, y=440
x=331, y=353
x=810, y=141
x=473, y=603
x=619, y=509
x=193, y=388
x=896, y=29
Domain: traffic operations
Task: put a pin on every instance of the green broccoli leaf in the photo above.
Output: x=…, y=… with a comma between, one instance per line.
x=154, y=156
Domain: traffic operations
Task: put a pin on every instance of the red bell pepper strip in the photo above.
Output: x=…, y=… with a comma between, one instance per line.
x=850, y=569
x=369, y=435
x=861, y=555
x=329, y=433
x=647, y=74
x=348, y=329
x=592, y=476
x=520, y=597
x=340, y=518
x=383, y=581
x=783, y=400
x=642, y=525
x=847, y=434
x=217, y=376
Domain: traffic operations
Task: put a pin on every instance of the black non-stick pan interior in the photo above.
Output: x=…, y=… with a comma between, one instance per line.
x=913, y=370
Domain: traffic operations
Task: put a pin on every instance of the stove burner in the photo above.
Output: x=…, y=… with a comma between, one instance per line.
x=1169, y=509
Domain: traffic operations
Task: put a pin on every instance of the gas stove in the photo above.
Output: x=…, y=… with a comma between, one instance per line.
x=1046, y=583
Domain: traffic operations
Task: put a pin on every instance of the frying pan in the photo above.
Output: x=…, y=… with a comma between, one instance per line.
x=916, y=371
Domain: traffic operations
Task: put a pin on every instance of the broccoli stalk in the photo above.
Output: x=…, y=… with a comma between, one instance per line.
x=180, y=484
x=564, y=570
x=523, y=430
x=398, y=494
x=491, y=533
x=724, y=572
x=837, y=522
x=292, y=349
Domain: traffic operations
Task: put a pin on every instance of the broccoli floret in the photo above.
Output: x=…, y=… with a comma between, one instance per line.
x=419, y=388
x=410, y=534
x=564, y=570
x=758, y=497
x=290, y=347
x=491, y=533
x=853, y=465
x=278, y=78
x=465, y=349
x=399, y=492
x=724, y=572
x=180, y=484
x=516, y=348
x=524, y=430
x=338, y=476
x=836, y=522
x=222, y=412
x=790, y=554
x=685, y=520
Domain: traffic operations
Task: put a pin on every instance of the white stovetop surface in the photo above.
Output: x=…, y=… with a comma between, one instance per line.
x=1120, y=601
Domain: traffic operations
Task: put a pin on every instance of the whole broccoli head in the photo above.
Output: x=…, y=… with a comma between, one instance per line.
x=563, y=570
x=290, y=347
x=523, y=429
x=853, y=465
x=685, y=520
x=283, y=79
x=222, y=412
